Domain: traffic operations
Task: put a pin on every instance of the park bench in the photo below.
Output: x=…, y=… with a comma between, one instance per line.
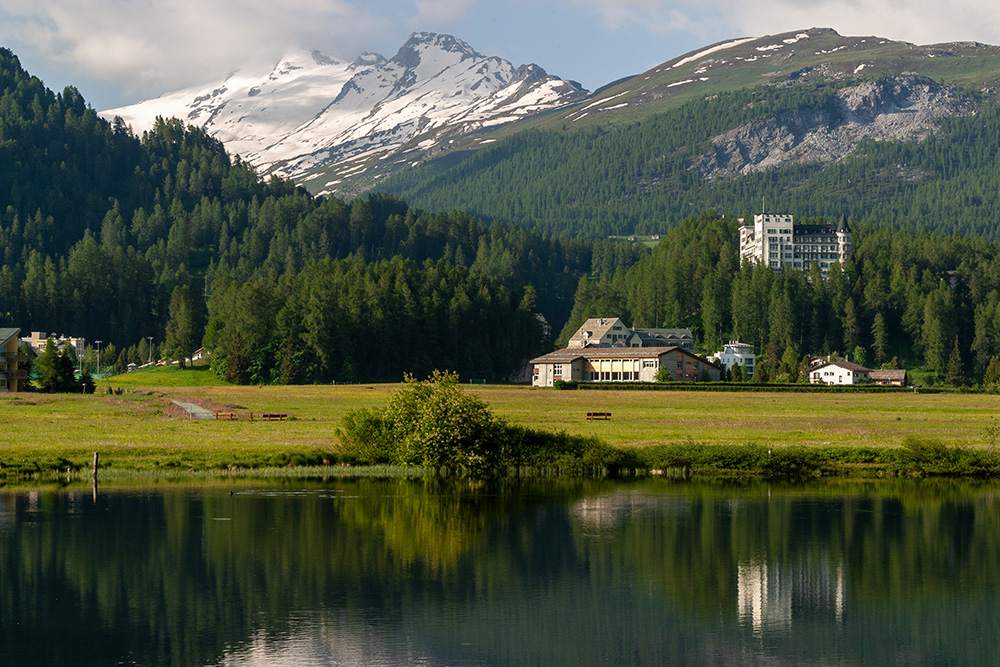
x=273, y=416
x=598, y=415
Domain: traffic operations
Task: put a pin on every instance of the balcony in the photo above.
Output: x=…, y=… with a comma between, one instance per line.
x=16, y=374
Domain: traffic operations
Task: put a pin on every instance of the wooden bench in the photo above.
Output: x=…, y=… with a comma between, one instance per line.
x=224, y=415
x=273, y=416
x=598, y=415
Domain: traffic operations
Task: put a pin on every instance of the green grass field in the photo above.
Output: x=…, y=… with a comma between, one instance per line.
x=142, y=429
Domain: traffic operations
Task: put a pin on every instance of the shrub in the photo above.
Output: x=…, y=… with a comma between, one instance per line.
x=433, y=424
x=429, y=423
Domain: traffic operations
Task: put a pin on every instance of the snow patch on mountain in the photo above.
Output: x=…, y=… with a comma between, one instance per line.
x=310, y=111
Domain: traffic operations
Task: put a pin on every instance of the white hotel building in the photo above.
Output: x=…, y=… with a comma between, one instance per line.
x=778, y=242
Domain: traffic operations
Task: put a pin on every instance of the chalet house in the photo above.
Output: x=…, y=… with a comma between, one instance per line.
x=839, y=372
x=12, y=378
x=606, y=331
x=896, y=378
x=621, y=364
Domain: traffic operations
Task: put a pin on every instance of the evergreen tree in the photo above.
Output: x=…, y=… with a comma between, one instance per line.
x=880, y=338
x=49, y=367
x=955, y=374
x=183, y=327
x=992, y=374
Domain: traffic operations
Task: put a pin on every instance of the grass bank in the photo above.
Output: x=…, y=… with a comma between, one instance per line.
x=138, y=429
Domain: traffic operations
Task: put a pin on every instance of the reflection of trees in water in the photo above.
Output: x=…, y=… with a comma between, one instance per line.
x=554, y=572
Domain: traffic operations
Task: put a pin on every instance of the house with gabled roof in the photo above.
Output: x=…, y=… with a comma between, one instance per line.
x=607, y=331
x=621, y=364
x=839, y=372
x=12, y=377
x=888, y=376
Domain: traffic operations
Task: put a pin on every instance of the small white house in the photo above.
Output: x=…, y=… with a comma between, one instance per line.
x=735, y=352
x=839, y=372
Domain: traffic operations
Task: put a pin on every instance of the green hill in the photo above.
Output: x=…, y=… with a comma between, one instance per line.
x=814, y=123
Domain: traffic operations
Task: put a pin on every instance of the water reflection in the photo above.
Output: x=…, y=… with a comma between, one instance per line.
x=388, y=572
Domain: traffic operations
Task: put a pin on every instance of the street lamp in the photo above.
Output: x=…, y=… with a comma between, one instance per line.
x=98, y=343
x=150, y=339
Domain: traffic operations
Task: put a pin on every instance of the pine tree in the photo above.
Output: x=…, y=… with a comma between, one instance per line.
x=992, y=375
x=955, y=375
x=880, y=338
x=183, y=325
x=48, y=367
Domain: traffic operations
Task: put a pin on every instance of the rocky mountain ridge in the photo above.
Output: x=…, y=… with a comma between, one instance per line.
x=902, y=108
x=324, y=122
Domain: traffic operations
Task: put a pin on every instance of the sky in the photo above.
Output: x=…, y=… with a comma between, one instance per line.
x=117, y=52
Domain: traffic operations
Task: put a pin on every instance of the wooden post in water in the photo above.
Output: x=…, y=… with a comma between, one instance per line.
x=93, y=485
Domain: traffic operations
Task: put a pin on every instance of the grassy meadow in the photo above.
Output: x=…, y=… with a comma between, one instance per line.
x=137, y=427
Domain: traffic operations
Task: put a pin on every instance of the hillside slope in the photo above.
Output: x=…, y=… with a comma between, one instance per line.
x=815, y=123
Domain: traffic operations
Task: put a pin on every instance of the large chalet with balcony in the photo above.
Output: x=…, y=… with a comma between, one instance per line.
x=606, y=350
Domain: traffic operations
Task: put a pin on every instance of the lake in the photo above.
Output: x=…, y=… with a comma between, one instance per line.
x=438, y=572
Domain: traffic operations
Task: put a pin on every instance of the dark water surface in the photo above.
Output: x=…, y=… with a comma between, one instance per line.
x=399, y=572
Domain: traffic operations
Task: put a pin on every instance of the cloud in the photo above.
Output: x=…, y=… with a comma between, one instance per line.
x=156, y=45
x=440, y=11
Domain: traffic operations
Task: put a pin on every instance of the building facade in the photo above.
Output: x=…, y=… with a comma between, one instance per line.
x=776, y=241
x=682, y=338
x=735, y=352
x=12, y=377
x=839, y=372
x=895, y=378
x=621, y=364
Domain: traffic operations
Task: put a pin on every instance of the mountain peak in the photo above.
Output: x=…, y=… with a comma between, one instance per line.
x=369, y=59
x=313, y=117
x=409, y=54
x=322, y=59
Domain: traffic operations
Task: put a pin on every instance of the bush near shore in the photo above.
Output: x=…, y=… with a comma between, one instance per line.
x=434, y=424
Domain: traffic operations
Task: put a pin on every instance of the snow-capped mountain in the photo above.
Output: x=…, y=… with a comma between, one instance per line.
x=337, y=126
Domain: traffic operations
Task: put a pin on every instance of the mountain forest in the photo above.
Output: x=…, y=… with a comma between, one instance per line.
x=641, y=177
x=117, y=238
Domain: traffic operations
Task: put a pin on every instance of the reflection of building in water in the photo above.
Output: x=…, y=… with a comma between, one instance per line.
x=767, y=594
x=764, y=598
